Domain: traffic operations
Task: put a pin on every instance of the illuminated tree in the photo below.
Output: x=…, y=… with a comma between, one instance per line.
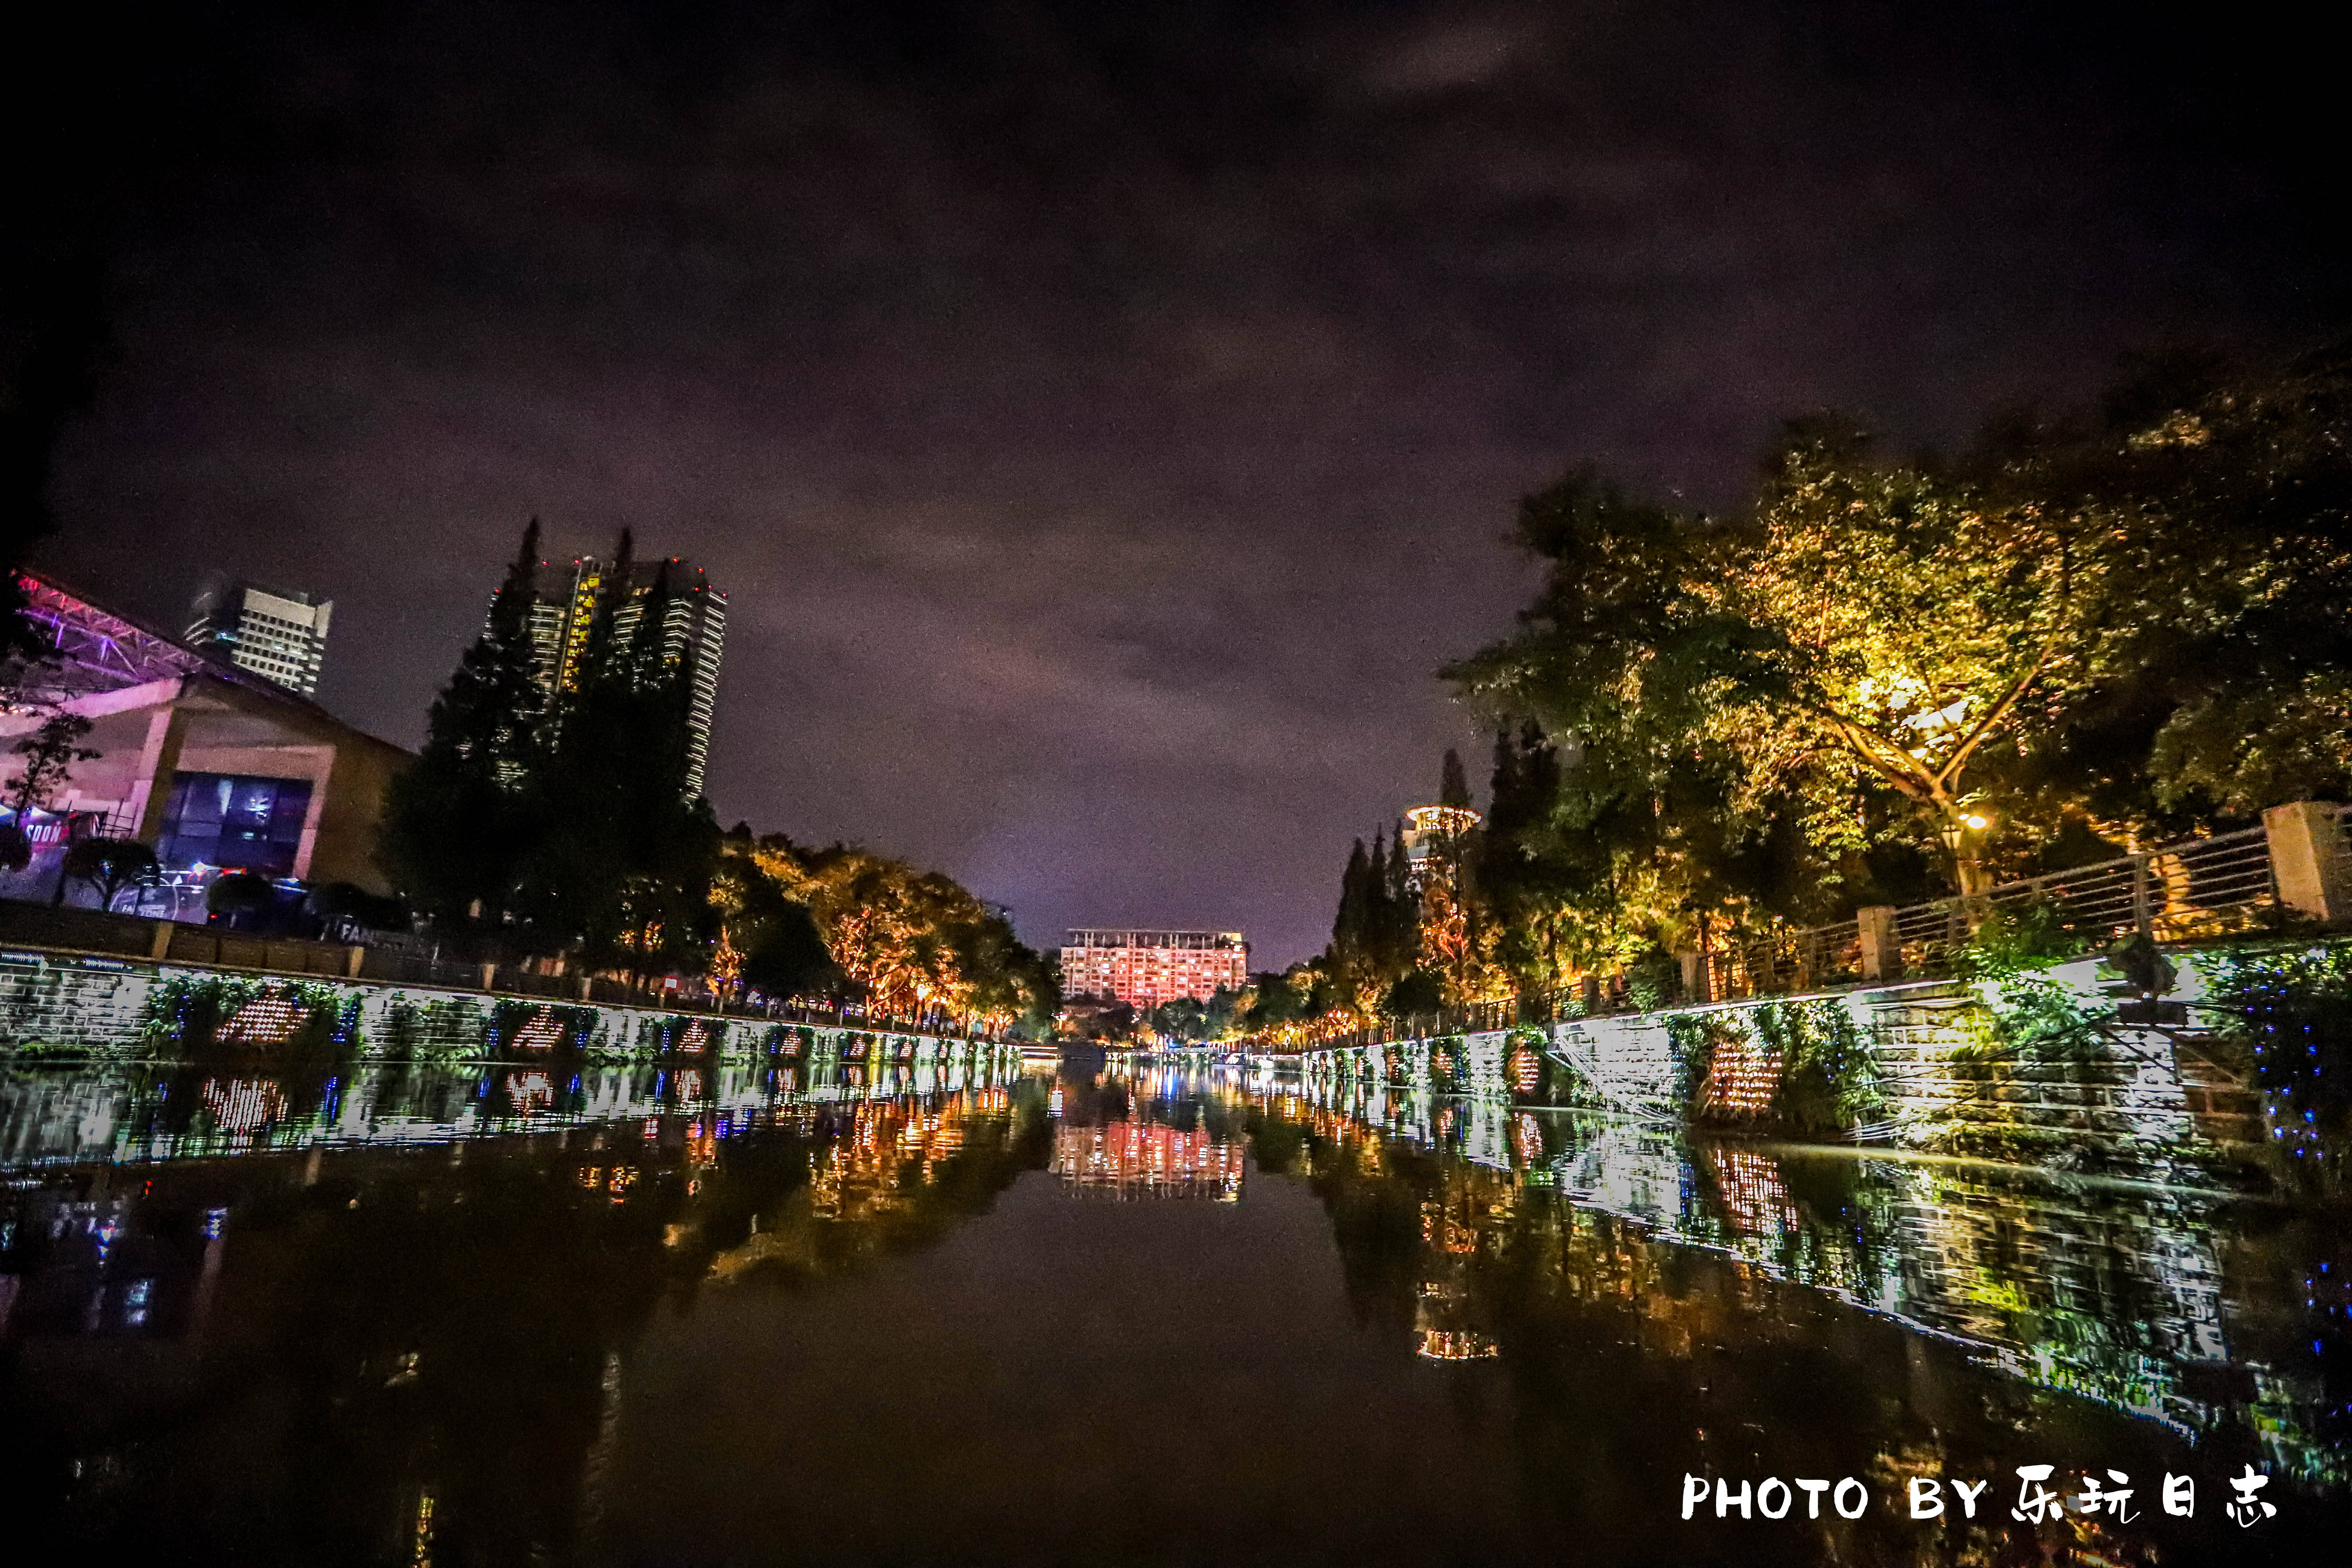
x=2224, y=621
x=915, y=941
x=1882, y=623
x=768, y=939
x=2074, y=634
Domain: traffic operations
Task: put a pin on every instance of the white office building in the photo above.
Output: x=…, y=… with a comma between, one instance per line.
x=278, y=636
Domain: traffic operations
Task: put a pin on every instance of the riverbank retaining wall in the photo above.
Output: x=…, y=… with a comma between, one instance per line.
x=77, y=1006
x=1919, y=1056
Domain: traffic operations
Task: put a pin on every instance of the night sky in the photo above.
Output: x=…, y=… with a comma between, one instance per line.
x=1104, y=417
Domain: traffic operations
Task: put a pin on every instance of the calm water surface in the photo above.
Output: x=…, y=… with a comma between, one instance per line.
x=719, y=1316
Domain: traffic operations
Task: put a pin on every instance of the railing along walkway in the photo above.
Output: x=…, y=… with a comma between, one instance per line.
x=2193, y=890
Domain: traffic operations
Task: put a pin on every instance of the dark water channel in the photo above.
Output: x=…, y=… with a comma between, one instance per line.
x=492, y=1316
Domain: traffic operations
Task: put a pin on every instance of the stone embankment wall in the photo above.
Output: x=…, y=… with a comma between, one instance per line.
x=57, y=1005
x=1924, y=1070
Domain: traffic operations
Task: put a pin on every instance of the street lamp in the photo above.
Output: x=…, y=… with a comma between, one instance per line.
x=1955, y=834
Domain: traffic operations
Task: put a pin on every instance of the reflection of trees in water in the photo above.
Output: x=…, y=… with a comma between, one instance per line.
x=446, y=1322
x=2102, y=1289
x=1691, y=1338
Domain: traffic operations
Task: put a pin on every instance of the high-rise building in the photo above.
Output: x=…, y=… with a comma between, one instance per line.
x=281, y=636
x=1145, y=968
x=691, y=617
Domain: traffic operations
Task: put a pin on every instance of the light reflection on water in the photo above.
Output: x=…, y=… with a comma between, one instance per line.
x=369, y=1315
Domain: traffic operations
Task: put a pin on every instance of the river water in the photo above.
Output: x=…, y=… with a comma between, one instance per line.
x=721, y=1316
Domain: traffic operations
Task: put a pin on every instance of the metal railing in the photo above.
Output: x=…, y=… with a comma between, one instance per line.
x=1808, y=959
x=2194, y=889
x=2180, y=892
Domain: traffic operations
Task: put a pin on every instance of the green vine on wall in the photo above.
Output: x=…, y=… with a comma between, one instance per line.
x=2020, y=1012
x=185, y=1014
x=509, y=1017
x=2292, y=1009
x=1829, y=1081
x=1690, y=1042
x=672, y=1031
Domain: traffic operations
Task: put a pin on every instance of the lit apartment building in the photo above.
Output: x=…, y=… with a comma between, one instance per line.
x=693, y=632
x=281, y=636
x=1145, y=968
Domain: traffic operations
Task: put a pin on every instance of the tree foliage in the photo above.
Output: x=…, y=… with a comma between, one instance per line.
x=1886, y=677
x=560, y=823
x=913, y=942
x=48, y=755
x=460, y=821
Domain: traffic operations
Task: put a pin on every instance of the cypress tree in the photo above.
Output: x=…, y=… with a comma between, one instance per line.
x=1503, y=798
x=457, y=823
x=1348, y=926
x=623, y=873
x=1454, y=788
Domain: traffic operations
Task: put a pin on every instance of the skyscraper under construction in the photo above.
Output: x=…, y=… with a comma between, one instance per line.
x=691, y=615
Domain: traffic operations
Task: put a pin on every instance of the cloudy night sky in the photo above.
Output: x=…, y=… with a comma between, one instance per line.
x=1104, y=417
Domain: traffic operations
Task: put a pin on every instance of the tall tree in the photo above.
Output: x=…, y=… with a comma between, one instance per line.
x=623, y=868
x=1351, y=925
x=1895, y=620
x=2222, y=676
x=2077, y=631
x=49, y=755
x=916, y=941
x=1453, y=785
x=460, y=822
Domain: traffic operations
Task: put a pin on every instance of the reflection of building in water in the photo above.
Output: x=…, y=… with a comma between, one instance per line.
x=81, y=1260
x=1443, y=1322
x=1147, y=1160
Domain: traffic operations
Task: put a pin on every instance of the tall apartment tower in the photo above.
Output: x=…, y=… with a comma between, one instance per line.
x=690, y=613
x=278, y=636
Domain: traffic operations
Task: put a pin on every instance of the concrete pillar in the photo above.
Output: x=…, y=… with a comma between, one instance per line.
x=2307, y=859
x=489, y=974
x=159, y=759
x=1882, y=954
x=352, y=961
x=161, y=947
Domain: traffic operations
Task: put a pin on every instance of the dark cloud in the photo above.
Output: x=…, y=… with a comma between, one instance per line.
x=1104, y=417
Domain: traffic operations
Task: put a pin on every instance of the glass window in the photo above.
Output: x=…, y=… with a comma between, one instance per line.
x=248, y=824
